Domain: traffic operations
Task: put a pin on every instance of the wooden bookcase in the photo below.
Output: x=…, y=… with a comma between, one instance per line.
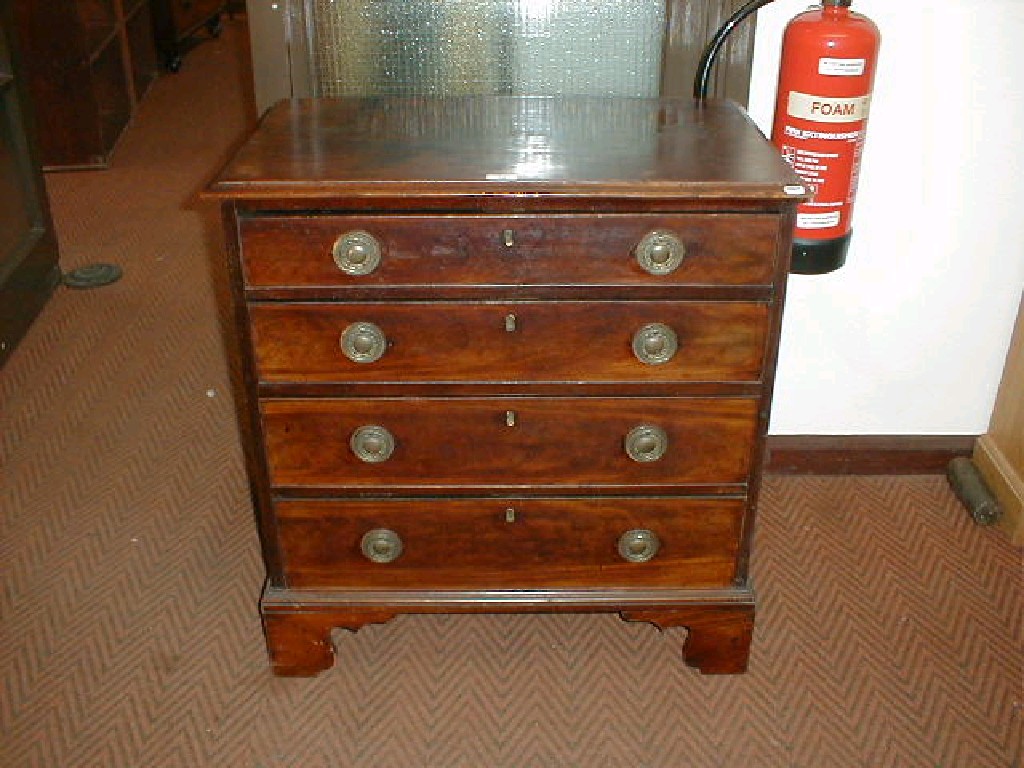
x=87, y=64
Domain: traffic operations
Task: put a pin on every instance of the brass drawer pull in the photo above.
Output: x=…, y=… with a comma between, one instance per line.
x=655, y=344
x=372, y=444
x=639, y=545
x=511, y=323
x=646, y=443
x=381, y=545
x=660, y=252
x=363, y=343
x=356, y=253
x=508, y=237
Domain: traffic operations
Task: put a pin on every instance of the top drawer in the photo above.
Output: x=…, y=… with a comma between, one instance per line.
x=329, y=251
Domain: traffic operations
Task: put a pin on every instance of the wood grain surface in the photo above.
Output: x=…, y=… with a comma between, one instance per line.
x=547, y=342
x=472, y=543
x=469, y=146
x=468, y=250
x=466, y=443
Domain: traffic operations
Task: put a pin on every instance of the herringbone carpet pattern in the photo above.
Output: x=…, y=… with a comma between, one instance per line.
x=889, y=633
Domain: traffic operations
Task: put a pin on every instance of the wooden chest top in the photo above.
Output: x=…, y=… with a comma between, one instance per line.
x=522, y=146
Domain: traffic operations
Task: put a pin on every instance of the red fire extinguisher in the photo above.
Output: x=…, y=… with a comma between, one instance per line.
x=821, y=118
x=821, y=113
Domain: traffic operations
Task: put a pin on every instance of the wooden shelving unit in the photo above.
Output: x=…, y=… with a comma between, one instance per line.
x=87, y=65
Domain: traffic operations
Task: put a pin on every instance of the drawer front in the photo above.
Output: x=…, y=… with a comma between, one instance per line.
x=521, y=342
x=434, y=443
x=720, y=249
x=510, y=543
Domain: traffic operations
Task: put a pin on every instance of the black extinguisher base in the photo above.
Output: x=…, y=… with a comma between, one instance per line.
x=819, y=257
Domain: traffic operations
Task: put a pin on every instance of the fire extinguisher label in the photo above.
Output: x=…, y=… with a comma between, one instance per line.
x=818, y=220
x=842, y=67
x=823, y=109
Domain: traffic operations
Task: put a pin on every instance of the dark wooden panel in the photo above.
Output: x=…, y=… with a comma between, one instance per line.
x=551, y=342
x=244, y=384
x=28, y=244
x=691, y=24
x=175, y=21
x=436, y=251
x=495, y=202
x=864, y=454
x=556, y=442
x=512, y=388
x=470, y=543
x=191, y=14
x=141, y=49
x=298, y=623
x=79, y=66
x=649, y=148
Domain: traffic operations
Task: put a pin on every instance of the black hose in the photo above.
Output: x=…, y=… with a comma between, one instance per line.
x=707, y=61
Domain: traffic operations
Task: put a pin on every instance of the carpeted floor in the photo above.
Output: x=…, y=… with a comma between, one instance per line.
x=890, y=629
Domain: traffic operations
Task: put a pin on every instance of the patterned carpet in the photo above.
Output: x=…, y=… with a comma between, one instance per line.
x=890, y=629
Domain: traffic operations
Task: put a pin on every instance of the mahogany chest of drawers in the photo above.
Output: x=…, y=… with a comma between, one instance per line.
x=506, y=354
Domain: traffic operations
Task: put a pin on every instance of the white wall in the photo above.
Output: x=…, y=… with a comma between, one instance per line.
x=911, y=335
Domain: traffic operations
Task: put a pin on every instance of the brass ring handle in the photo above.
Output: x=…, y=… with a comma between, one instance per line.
x=646, y=443
x=655, y=344
x=363, y=343
x=381, y=545
x=372, y=444
x=356, y=253
x=660, y=252
x=639, y=545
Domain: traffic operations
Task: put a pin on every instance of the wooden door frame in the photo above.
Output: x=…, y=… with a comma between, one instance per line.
x=999, y=454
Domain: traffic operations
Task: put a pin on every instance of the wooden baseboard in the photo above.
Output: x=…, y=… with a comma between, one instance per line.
x=864, y=454
x=1005, y=483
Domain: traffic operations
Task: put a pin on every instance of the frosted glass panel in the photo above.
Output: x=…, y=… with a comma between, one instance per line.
x=452, y=47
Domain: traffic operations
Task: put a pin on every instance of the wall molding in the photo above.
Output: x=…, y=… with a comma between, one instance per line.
x=864, y=454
